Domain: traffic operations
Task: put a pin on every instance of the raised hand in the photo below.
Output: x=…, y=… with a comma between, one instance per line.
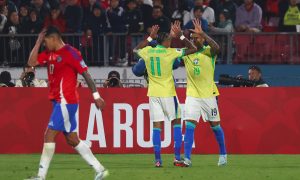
x=197, y=27
x=41, y=36
x=154, y=31
x=175, y=30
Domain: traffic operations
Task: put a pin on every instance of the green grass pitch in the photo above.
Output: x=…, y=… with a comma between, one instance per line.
x=140, y=167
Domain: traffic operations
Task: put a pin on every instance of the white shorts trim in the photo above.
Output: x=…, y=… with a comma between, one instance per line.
x=207, y=108
x=164, y=107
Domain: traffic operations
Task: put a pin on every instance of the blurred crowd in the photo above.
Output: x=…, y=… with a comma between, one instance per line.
x=95, y=18
x=133, y=16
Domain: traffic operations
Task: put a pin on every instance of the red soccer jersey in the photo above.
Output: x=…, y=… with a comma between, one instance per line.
x=63, y=67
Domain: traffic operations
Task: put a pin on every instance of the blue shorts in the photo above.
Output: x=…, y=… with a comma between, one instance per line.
x=64, y=117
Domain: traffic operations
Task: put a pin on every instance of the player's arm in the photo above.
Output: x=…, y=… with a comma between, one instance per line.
x=215, y=48
x=145, y=42
x=33, y=57
x=91, y=84
x=139, y=68
x=176, y=32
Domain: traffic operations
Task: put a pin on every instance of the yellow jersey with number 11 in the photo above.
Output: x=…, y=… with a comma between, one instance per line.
x=159, y=64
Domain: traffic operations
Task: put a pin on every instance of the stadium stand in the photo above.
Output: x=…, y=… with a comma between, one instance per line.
x=99, y=46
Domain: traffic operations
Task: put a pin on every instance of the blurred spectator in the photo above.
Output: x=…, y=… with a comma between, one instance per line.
x=190, y=4
x=248, y=17
x=115, y=15
x=181, y=14
x=116, y=24
x=158, y=18
x=5, y=79
x=28, y=79
x=88, y=10
x=289, y=14
x=23, y=14
x=134, y=24
x=145, y=7
x=54, y=3
x=3, y=17
x=238, y=2
x=165, y=8
x=208, y=12
x=56, y=19
x=97, y=22
x=12, y=27
x=73, y=16
x=95, y=28
x=271, y=16
x=255, y=74
x=34, y=25
x=226, y=4
x=104, y=3
x=133, y=17
x=198, y=13
x=224, y=23
x=113, y=80
x=11, y=7
x=42, y=7
x=215, y=4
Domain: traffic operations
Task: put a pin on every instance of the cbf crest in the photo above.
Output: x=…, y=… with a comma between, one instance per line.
x=196, y=61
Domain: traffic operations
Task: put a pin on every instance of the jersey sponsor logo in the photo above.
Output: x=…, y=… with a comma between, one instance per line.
x=82, y=63
x=59, y=59
x=178, y=49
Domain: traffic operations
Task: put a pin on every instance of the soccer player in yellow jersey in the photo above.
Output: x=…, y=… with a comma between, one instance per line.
x=161, y=89
x=201, y=93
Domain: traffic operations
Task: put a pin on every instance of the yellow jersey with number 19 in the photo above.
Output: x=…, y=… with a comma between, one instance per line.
x=159, y=64
x=200, y=68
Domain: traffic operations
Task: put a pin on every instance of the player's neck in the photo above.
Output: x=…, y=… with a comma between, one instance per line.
x=59, y=46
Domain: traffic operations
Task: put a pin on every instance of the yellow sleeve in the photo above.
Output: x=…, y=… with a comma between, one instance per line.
x=207, y=51
x=143, y=53
x=176, y=52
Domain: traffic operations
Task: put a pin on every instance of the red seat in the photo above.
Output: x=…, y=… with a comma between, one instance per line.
x=283, y=47
x=242, y=43
x=264, y=45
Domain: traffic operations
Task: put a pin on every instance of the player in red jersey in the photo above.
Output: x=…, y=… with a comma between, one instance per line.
x=64, y=63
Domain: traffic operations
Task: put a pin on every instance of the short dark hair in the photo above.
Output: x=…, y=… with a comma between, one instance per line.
x=52, y=30
x=226, y=13
x=254, y=67
x=5, y=77
x=196, y=8
x=161, y=37
x=116, y=73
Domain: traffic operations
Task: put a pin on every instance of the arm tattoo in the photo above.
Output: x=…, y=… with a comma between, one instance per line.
x=90, y=82
x=190, y=47
x=215, y=48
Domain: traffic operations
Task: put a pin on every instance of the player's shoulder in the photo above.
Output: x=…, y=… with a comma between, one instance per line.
x=145, y=49
x=72, y=52
x=206, y=50
x=148, y=47
x=172, y=50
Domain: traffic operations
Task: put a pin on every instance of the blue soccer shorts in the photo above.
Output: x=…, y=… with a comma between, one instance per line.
x=64, y=117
